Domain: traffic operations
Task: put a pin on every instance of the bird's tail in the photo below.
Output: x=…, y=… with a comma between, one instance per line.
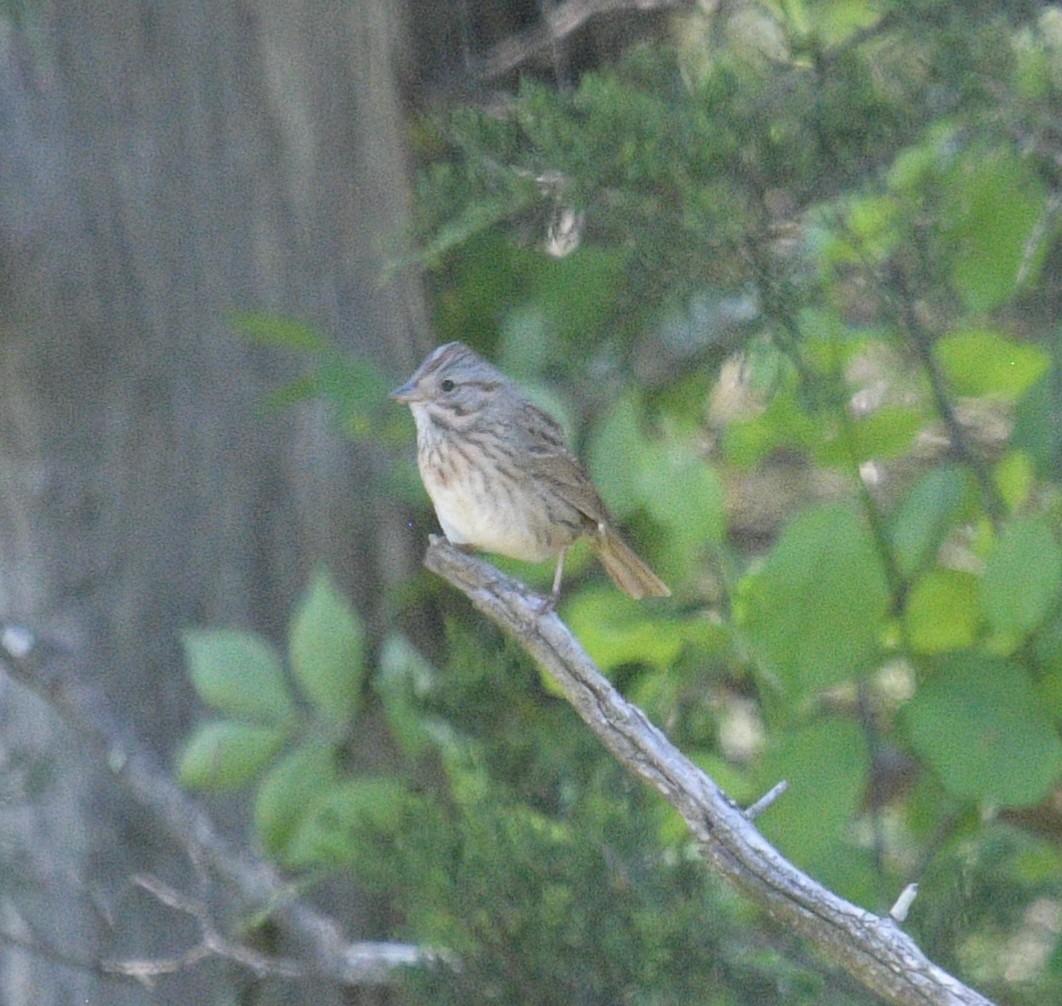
x=627, y=570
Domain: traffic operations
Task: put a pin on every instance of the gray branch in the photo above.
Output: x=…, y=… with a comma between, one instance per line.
x=62, y=683
x=874, y=950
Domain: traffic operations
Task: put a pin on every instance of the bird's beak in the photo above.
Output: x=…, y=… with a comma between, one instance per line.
x=406, y=394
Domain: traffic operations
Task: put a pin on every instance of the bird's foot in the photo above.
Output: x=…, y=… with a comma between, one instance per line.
x=548, y=603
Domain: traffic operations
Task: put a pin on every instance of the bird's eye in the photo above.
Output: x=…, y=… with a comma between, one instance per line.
x=447, y=385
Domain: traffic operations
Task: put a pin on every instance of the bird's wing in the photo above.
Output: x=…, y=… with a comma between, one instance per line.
x=549, y=459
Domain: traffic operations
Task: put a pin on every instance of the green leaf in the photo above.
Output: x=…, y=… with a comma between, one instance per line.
x=288, y=790
x=837, y=20
x=927, y=515
x=815, y=611
x=618, y=435
x=977, y=722
x=943, y=611
x=667, y=477
x=979, y=363
x=225, y=754
x=1047, y=649
x=616, y=630
x=525, y=348
x=403, y=678
x=358, y=392
x=239, y=674
x=1022, y=577
x=916, y=165
x=274, y=330
x=784, y=423
x=826, y=765
x=1037, y=431
x=327, y=649
x=345, y=816
x=479, y=216
x=870, y=233
x=682, y=492
x=997, y=201
x=1015, y=477
x=294, y=392
x=579, y=292
x=886, y=433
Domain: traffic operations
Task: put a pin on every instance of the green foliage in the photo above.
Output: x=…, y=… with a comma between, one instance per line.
x=943, y=612
x=287, y=333
x=994, y=204
x=355, y=388
x=879, y=181
x=978, y=724
x=663, y=476
x=618, y=631
x=530, y=856
x=1022, y=577
x=545, y=878
x=927, y=515
x=228, y=753
x=344, y=823
x=238, y=674
x=986, y=363
x=302, y=778
x=288, y=738
x=814, y=613
x=861, y=528
x=825, y=763
x=326, y=649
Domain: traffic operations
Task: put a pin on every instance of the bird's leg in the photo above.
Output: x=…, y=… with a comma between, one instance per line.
x=549, y=602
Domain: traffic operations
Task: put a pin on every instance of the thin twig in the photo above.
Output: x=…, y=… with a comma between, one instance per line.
x=212, y=943
x=903, y=903
x=756, y=809
x=922, y=343
x=58, y=678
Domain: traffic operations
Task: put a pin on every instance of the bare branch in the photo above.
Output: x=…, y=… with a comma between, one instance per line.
x=903, y=902
x=766, y=800
x=563, y=19
x=872, y=949
x=212, y=943
x=57, y=678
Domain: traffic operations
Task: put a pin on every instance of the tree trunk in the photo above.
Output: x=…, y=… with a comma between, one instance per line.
x=163, y=165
